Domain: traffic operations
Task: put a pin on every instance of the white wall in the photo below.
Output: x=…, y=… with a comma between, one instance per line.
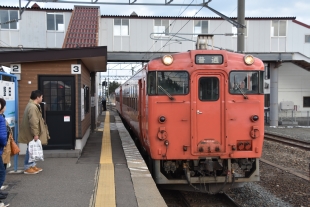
x=293, y=84
x=32, y=32
x=258, y=37
x=296, y=39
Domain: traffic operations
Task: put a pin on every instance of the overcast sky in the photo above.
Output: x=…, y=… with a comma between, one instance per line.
x=253, y=8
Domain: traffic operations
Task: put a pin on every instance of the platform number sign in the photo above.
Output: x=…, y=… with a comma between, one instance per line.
x=75, y=69
x=16, y=68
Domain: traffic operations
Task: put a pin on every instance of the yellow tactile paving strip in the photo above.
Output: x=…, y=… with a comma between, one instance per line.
x=105, y=195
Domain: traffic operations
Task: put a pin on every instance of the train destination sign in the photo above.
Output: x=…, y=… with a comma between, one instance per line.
x=209, y=59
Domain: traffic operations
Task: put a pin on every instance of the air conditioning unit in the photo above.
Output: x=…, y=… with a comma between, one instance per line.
x=287, y=105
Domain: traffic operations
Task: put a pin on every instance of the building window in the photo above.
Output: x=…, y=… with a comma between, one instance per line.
x=306, y=101
x=235, y=30
x=278, y=28
x=267, y=100
x=57, y=95
x=86, y=99
x=267, y=71
x=200, y=27
x=6, y=16
x=161, y=26
x=307, y=38
x=121, y=27
x=55, y=22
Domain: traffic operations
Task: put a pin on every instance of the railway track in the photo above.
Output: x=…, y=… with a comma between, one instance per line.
x=288, y=141
x=175, y=198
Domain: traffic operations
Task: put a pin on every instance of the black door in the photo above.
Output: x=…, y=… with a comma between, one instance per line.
x=59, y=96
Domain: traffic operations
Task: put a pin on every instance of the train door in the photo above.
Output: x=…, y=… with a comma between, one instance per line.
x=121, y=100
x=142, y=117
x=207, y=94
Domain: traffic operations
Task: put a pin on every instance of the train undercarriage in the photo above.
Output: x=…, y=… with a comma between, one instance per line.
x=205, y=175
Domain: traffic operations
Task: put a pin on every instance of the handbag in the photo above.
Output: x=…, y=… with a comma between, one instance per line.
x=14, y=148
x=35, y=151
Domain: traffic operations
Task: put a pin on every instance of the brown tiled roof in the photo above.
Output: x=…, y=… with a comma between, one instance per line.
x=83, y=27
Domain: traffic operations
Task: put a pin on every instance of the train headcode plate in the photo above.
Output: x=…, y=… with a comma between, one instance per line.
x=209, y=59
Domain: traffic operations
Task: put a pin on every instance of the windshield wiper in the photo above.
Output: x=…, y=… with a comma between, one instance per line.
x=243, y=93
x=166, y=92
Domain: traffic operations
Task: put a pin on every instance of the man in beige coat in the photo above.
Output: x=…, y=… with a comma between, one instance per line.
x=33, y=127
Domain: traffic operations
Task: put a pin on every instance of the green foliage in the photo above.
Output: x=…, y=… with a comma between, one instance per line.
x=112, y=86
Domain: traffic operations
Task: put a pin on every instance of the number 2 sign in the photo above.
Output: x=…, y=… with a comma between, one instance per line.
x=75, y=69
x=15, y=68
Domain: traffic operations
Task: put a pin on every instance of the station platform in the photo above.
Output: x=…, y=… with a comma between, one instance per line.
x=109, y=172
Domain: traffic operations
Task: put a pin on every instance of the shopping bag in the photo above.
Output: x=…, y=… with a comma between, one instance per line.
x=14, y=148
x=35, y=151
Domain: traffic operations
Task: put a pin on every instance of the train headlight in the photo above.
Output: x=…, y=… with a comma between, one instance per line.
x=167, y=59
x=248, y=59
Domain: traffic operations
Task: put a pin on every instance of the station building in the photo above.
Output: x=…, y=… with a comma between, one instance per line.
x=283, y=43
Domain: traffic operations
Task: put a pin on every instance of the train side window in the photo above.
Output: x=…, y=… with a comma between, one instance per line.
x=208, y=89
x=261, y=82
x=151, y=83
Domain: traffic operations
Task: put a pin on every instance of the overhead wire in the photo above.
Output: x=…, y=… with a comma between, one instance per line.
x=180, y=29
x=224, y=21
x=4, y=45
x=169, y=26
x=159, y=36
x=187, y=23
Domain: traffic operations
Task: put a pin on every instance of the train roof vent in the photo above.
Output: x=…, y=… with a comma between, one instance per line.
x=204, y=42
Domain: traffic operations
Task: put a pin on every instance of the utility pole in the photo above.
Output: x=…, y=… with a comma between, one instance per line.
x=241, y=20
x=105, y=88
x=108, y=86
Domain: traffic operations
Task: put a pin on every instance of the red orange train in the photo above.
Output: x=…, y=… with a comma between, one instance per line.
x=199, y=115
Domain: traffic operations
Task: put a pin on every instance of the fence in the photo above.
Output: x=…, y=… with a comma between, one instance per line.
x=301, y=117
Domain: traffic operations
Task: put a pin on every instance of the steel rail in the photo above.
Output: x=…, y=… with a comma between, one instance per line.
x=231, y=201
x=288, y=141
x=184, y=201
x=285, y=169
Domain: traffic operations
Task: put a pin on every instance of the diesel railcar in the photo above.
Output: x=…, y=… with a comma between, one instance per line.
x=199, y=116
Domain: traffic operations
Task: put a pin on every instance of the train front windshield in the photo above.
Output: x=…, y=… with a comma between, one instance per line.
x=162, y=82
x=250, y=82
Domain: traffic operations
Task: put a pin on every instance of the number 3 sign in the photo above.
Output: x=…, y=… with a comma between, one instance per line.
x=75, y=69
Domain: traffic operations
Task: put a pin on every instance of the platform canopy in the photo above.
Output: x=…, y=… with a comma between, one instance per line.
x=95, y=58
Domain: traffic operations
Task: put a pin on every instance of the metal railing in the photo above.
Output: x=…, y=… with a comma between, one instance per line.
x=302, y=118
